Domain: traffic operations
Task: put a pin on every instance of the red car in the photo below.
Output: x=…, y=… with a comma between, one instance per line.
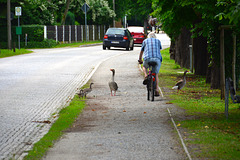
x=137, y=34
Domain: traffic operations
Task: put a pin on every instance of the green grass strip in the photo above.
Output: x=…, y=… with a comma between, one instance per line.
x=66, y=118
x=9, y=53
x=76, y=44
x=206, y=131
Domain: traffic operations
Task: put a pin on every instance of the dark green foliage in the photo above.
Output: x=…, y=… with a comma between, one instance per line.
x=70, y=19
x=34, y=33
x=203, y=18
x=46, y=43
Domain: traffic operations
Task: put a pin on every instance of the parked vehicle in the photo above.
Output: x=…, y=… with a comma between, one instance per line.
x=118, y=37
x=137, y=34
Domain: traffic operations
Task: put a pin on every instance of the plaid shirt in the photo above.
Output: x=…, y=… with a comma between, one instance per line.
x=151, y=48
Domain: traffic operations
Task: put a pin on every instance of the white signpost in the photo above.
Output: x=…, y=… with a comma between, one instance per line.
x=18, y=12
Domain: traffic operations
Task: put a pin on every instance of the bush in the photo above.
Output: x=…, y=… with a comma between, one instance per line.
x=46, y=43
x=34, y=33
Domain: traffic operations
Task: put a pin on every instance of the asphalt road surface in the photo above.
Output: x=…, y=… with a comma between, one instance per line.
x=34, y=87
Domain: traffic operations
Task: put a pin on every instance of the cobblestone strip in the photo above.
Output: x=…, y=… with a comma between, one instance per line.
x=22, y=137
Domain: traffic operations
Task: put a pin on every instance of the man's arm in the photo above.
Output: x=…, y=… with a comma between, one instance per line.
x=140, y=57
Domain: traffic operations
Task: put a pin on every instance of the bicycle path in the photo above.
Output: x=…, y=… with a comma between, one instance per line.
x=125, y=126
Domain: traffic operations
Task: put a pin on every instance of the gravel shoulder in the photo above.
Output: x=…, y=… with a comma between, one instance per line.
x=125, y=126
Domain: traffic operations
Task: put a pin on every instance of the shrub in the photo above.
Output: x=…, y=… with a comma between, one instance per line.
x=34, y=33
x=46, y=43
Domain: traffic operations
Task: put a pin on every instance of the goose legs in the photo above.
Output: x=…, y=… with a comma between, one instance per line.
x=114, y=93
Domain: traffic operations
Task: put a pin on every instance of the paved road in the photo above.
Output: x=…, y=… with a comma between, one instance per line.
x=35, y=86
x=123, y=127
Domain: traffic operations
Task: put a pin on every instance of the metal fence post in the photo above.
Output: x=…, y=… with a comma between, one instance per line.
x=82, y=32
x=88, y=32
x=226, y=97
x=56, y=32
x=99, y=31
x=93, y=28
x=63, y=33
x=45, y=32
x=75, y=33
x=70, y=32
x=191, y=58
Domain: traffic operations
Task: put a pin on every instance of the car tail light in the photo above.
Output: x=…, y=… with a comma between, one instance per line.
x=142, y=36
x=105, y=37
x=125, y=37
x=154, y=79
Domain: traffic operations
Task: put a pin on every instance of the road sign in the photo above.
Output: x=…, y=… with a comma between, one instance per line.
x=18, y=30
x=85, y=9
x=18, y=11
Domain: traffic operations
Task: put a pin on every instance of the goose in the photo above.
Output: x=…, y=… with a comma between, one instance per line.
x=80, y=94
x=87, y=90
x=112, y=84
x=180, y=84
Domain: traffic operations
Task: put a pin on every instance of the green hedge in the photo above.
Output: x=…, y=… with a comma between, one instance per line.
x=47, y=43
x=34, y=33
x=35, y=37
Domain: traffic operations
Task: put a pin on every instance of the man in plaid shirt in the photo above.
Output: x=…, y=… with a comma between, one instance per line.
x=150, y=51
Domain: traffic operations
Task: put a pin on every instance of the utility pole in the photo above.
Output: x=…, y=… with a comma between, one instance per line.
x=9, y=24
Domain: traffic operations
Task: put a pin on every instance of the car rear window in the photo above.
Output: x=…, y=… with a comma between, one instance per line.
x=115, y=31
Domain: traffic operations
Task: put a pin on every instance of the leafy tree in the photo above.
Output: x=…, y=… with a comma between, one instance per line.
x=65, y=12
x=70, y=19
x=38, y=12
x=100, y=11
x=203, y=18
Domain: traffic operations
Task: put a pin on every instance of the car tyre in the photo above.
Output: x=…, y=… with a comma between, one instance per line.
x=109, y=48
x=127, y=48
x=104, y=47
x=132, y=47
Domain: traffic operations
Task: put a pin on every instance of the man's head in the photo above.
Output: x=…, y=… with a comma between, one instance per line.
x=152, y=35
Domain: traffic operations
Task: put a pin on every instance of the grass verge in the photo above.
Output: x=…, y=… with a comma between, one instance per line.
x=65, y=120
x=206, y=131
x=9, y=53
x=76, y=44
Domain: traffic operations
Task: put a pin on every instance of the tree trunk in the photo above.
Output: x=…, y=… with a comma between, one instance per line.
x=182, y=56
x=145, y=26
x=172, y=50
x=208, y=75
x=215, y=76
x=65, y=13
x=200, y=55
